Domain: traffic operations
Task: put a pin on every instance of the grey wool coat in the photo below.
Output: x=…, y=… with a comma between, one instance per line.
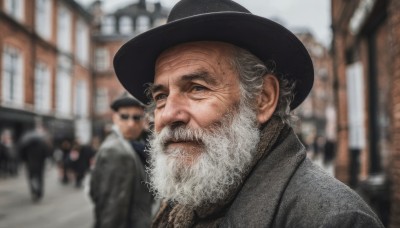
x=287, y=190
x=117, y=186
x=283, y=189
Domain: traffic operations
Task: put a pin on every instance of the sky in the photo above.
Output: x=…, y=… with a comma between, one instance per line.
x=314, y=15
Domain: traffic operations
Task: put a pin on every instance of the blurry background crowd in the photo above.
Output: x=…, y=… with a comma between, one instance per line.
x=71, y=158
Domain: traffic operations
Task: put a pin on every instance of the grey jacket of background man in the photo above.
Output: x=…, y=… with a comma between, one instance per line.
x=118, y=188
x=287, y=190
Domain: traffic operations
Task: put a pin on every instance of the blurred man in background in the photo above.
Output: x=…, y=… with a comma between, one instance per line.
x=117, y=185
x=80, y=161
x=8, y=154
x=34, y=148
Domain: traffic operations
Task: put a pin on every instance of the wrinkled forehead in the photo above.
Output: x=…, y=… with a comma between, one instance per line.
x=187, y=52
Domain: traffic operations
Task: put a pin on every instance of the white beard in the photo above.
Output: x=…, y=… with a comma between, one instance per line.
x=227, y=150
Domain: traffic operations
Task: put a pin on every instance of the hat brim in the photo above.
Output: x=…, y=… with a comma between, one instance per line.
x=134, y=63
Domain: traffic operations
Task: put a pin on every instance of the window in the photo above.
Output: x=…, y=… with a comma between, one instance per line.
x=107, y=25
x=42, y=88
x=102, y=59
x=63, y=87
x=81, y=99
x=15, y=8
x=82, y=42
x=142, y=24
x=355, y=102
x=125, y=25
x=102, y=100
x=64, y=29
x=43, y=18
x=13, y=78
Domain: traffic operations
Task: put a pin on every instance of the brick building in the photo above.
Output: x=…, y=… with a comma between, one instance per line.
x=45, y=70
x=56, y=63
x=111, y=31
x=366, y=50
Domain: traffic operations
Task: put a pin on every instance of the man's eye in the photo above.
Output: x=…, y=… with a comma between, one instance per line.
x=198, y=88
x=159, y=97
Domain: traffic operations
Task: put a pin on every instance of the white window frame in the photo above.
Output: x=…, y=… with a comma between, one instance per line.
x=15, y=8
x=125, y=25
x=102, y=100
x=108, y=25
x=13, y=91
x=82, y=42
x=43, y=20
x=102, y=59
x=355, y=105
x=64, y=29
x=81, y=99
x=142, y=23
x=63, y=87
x=42, y=90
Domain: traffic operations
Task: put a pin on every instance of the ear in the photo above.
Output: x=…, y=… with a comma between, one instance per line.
x=268, y=98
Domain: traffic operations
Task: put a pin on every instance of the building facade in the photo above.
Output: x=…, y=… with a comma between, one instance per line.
x=111, y=31
x=45, y=68
x=366, y=48
x=56, y=63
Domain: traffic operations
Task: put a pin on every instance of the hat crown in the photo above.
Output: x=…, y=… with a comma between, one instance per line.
x=188, y=8
x=126, y=100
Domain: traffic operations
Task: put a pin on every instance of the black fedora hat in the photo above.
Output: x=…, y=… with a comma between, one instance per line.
x=215, y=20
x=126, y=100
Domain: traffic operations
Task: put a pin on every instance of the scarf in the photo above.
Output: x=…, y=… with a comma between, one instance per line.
x=173, y=215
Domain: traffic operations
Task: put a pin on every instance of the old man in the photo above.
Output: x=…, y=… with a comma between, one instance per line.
x=222, y=83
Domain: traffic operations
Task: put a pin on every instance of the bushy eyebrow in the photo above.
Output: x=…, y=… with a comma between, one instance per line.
x=201, y=75
x=153, y=88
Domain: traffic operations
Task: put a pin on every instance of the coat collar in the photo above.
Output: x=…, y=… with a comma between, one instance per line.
x=266, y=185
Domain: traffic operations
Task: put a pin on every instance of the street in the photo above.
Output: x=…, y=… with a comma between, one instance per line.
x=62, y=205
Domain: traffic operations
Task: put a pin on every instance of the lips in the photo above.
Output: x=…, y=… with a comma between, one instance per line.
x=169, y=142
x=183, y=143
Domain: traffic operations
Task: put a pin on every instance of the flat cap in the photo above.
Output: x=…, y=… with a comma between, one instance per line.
x=126, y=100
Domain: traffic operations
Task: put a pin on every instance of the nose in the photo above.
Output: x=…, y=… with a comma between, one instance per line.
x=175, y=112
x=131, y=122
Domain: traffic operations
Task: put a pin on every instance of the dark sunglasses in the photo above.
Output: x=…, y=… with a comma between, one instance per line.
x=135, y=118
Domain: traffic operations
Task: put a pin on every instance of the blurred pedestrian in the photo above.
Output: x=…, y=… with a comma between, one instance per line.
x=3, y=159
x=34, y=148
x=65, y=164
x=81, y=156
x=318, y=147
x=8, y=154
x=117, y=185
x=329, y=152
